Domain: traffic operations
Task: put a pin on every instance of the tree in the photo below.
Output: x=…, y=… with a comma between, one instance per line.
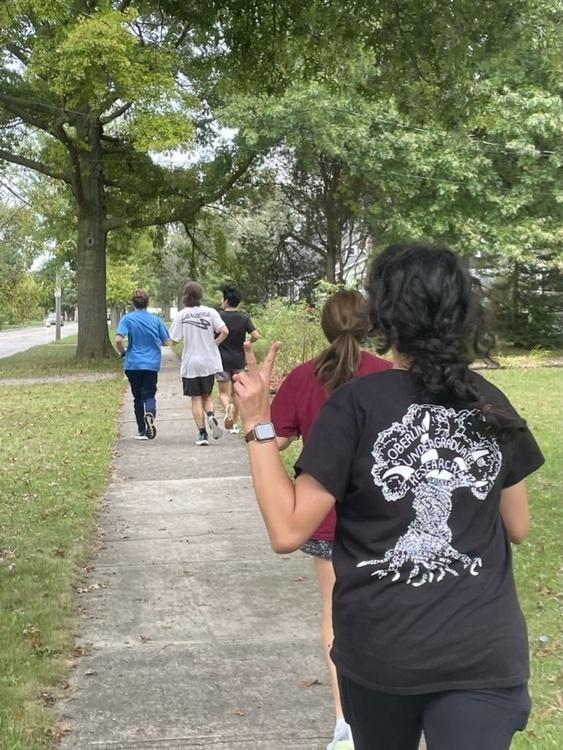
x=105, y=86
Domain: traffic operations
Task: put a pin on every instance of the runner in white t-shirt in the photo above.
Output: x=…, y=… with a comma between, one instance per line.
x=201, y=330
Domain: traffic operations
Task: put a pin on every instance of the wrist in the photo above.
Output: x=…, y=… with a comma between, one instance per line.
x=262, y=432
x=250, y=423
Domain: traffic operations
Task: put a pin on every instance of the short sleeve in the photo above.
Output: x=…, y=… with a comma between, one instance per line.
x=523, y=456
x=328, y=454
x=284, y=409
x=249, y=326
x=217, y=321
x=176, y=328
x=123, y=327
x=164, y=335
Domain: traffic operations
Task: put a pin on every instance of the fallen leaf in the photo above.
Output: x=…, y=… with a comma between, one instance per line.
x=310, y=683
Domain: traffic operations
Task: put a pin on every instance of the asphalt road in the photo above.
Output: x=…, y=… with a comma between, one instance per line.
x=19, y=339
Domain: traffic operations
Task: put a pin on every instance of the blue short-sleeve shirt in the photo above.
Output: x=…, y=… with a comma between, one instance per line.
x=145, y=335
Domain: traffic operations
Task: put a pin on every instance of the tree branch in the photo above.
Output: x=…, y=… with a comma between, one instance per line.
x=184, y=210
x=19, y=54
x=116, y=113
x=159, y=219
x=22, y=106
x=37, y=166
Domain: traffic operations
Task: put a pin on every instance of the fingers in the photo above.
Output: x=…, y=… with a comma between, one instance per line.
x=250, y=357
x=270, y=359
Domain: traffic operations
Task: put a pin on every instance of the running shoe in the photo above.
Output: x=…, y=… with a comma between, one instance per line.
x=141, y=436
x=229, y=417
x=235, y=429
x=214, y=428
x=150, y=427
x=202, y=439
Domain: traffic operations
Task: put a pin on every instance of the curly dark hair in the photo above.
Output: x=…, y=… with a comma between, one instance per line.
x=425, y=304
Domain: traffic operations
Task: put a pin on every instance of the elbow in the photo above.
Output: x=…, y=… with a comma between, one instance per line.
x=518, y=536
x=518, y=533
x=284, y=544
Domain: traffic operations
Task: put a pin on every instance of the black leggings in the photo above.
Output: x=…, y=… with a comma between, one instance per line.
x=451, y=720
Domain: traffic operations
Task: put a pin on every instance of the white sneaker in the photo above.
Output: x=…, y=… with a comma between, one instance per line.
x=141, y=436
x=202, y=440
x=235, y=429
x=214, y=428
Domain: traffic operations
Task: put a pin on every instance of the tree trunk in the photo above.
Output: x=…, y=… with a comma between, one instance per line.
x=514, y=294
x=93, y=337
x=115, y=315
x=330, y=266
x=166, y=310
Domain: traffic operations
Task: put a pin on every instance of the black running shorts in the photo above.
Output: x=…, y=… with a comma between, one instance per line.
x=198, y=386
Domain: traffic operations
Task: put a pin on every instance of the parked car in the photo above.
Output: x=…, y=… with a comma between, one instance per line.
x=51, y=320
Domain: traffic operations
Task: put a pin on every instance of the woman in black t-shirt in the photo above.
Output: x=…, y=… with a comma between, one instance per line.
x=425, y=464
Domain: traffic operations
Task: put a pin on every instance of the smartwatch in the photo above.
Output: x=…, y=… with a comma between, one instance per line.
x=262, y=432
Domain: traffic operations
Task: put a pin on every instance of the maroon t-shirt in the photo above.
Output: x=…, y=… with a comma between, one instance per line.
x=297, y=404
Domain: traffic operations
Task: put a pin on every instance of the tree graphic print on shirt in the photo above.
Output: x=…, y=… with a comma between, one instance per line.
x=425, y=457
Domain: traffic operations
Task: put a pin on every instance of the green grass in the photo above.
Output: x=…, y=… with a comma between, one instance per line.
x=55, y=358
x=56, y=450
x=538, y=396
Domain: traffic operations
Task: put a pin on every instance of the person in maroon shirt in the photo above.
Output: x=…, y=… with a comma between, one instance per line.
x=295, y=407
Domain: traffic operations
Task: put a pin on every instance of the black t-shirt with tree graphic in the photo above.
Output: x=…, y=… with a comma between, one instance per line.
x=425, y=598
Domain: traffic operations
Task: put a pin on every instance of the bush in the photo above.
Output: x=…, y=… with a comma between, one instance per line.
x=296, y=325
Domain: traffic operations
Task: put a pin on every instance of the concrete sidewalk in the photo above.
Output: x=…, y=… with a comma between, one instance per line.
x=195, y=633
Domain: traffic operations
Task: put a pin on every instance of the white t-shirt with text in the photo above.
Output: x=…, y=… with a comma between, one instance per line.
x=196, y=328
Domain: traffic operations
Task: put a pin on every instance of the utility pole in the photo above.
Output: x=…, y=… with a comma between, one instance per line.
x=58, y=293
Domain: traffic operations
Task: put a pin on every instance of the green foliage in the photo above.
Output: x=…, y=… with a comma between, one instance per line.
x=296, y=325
x=122, y=280
x=20, y=295
x=527, y=301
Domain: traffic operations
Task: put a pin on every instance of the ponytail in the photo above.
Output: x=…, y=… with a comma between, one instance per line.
x=345, y=323
x=339, y=362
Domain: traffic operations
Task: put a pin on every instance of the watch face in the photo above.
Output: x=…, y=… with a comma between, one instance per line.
x=265, y=431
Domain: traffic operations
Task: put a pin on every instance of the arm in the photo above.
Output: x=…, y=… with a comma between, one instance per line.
x=284, y=442
x=291, y=512
x=254, y=336
x=119, y=344
x=223, y=333
x=515, y=513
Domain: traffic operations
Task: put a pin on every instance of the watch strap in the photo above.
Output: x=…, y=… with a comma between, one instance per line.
x=251, y=434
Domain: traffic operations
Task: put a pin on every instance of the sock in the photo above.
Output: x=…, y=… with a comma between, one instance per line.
x=210, y=413
x=342, y=730
x=202, y=431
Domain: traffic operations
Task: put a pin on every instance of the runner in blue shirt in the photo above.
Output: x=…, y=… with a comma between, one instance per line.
x=145, y=333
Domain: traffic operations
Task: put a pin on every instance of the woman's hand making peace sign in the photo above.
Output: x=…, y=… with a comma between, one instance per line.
x=252, y=388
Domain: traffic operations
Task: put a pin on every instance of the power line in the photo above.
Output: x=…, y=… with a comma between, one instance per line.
x=14, y=192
